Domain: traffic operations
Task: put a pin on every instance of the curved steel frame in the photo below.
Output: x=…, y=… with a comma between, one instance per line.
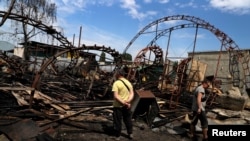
x=112, y=52
x=226, y=42
x=140, y=57
x=63, y=40
x=38, y=24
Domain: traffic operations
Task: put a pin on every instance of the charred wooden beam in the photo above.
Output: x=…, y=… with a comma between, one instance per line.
x=77, y=113
x=16, y=88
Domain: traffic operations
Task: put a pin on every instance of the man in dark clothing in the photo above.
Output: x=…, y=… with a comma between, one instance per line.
x=198, y=108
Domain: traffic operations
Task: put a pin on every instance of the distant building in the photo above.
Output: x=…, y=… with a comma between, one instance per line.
x=218, y=64
x=46, y=50
x=39, y=51
x=7, y=46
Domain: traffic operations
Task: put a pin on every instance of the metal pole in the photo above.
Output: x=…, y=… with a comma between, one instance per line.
x=79, y=43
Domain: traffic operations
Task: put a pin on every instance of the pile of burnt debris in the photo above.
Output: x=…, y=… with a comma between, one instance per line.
x=60, y=99
x=21, y=119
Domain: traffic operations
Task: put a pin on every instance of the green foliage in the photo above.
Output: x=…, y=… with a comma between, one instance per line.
x=102, y=57
x=127, y=56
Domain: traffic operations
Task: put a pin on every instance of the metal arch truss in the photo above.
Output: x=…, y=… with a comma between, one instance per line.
x=112, y=52
x=235, y=54
x=38, y=24
x=141, y=58
x=155, y=49
x=69, y=48
x=115, y=54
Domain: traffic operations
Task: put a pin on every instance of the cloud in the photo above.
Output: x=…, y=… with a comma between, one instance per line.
x=160, y=1
x=188, y=4
x=73, y=6
x=68, y=7
x=164, y=1
x=147, y=1
x=232, y=6
x=104, y=38
x=133, y=9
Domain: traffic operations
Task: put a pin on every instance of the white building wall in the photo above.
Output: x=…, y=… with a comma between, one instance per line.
x=19, y=51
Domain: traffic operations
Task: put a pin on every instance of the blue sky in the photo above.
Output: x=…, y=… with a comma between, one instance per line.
x=114, y=23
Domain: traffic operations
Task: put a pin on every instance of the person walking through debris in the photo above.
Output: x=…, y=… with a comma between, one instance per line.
x=123, y=95
x=198, y=108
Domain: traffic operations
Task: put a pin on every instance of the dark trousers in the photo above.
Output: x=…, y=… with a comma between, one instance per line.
x=119, y=115
x=202, y=117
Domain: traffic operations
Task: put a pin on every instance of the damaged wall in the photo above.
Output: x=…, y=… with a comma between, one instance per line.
x=212, y=59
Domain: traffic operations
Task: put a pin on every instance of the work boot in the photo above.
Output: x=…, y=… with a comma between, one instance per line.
x=117, y=138
x=130, y=136
x=204, y=139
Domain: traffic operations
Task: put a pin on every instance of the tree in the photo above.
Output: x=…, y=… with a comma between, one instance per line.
x=8, y=12
x=102, y=57
x=39, y=10
x=127, y=56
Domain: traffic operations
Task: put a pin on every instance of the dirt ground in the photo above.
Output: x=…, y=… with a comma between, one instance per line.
x=99, y=132
x=141, y=132
x=89, y=127
x=100, y=129
x=139, y=135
